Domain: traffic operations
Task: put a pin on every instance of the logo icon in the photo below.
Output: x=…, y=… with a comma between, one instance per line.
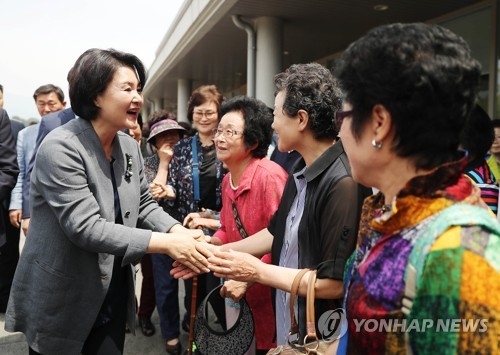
x=332, y=324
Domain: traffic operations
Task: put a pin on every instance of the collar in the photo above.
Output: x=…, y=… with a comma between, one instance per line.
x=247, y=177
x=323, y=162
x=422, y=197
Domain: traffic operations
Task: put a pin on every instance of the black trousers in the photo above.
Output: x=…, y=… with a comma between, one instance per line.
x=9, y=257
x=108, y=338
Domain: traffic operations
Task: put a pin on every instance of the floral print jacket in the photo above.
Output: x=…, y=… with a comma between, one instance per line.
x=180, y=177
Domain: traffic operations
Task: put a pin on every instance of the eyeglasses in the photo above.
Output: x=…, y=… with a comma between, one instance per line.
x=200, y=114
x=227, y=133
x=340, y=116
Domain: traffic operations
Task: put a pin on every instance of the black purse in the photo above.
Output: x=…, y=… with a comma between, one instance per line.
x=212, y=337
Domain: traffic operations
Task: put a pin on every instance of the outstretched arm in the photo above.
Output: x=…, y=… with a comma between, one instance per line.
x=257, y=244
x=244, y=267
x=180, y=246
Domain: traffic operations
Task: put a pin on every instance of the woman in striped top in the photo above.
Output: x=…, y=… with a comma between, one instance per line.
x=477, y=137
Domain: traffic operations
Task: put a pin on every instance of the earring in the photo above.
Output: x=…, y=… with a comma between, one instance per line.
x=376, y=145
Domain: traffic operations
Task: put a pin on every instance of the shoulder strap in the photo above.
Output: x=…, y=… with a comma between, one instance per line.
x=196, y=171
x=239, y=223
x=310, y=315
x=460, y=214
x=294, y=328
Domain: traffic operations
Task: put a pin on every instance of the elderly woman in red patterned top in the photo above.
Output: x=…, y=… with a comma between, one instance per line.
x=251, y=193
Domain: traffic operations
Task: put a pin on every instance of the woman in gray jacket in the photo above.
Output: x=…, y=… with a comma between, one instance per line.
x=92, y=218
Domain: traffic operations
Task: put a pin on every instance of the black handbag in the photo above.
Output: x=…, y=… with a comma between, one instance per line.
x=212, y=337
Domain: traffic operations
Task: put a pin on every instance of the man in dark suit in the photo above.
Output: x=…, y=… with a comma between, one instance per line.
x=16, y=126
x=9, y=251
x=8, y=177
x=49, y=123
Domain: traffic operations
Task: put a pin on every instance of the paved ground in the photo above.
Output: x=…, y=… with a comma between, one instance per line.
x=15, y=343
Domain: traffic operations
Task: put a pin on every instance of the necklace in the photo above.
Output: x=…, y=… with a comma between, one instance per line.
x=231, y=183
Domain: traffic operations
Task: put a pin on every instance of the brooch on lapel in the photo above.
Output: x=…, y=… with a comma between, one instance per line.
x=128, y=171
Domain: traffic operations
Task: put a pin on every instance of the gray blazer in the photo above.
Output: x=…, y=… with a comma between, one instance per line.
x=66, y=264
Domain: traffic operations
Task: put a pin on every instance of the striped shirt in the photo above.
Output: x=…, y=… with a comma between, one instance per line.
x=483, y=177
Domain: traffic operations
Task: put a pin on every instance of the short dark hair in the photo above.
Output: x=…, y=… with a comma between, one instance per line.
x=190, y=131
x=186, y=125
x=312, y=88
x=1, y=88
x=47, y=89
x=477, y=136
x=258, y=120
x=424, y=75
x=161, y=115
x=496, y=123
x=91, y=75
x=202, y=94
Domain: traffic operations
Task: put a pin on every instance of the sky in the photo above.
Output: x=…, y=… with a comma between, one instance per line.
x=41, y=40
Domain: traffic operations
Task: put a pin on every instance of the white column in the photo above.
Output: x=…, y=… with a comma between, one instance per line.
x=269, y=56
x=145, y=111
x=157, y=104
x=183, y=93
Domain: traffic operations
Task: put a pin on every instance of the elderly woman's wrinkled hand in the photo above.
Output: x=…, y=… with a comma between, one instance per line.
x=166, y=152
x=234, y=290
x=235, y=265
x=189, y=218
x=197, y=220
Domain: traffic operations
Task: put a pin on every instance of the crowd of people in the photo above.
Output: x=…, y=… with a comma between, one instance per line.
x=384, y=183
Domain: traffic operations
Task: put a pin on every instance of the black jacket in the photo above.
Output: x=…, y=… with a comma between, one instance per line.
x=8, y=169
x=329, y=225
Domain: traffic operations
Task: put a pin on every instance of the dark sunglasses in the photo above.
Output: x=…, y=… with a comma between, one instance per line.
x=340, y=116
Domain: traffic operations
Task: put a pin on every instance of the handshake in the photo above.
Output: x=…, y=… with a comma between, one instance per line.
x=193, y=253
x=224, y=261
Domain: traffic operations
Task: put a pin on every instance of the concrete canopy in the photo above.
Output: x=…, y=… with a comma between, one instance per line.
x=204, y=46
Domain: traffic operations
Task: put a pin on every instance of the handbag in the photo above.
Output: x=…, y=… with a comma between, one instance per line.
x=311, y=344
x=211, y=337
